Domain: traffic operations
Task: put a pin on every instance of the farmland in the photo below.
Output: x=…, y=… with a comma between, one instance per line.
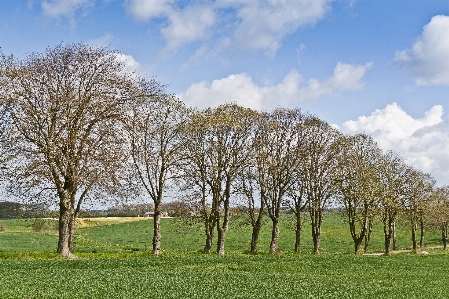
x=114, y=261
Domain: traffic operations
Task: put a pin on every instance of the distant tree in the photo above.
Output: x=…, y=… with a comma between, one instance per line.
x=155, y=129
x=319, y=163
x=253, y=202
x=417, y=189
x=177, y=208
x=66, y=140
x=439, y=211
x=392, y=175
x=357, y=184
x=219, y=148
x=277, y=160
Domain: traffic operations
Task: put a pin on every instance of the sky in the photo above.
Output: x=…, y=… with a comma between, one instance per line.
x=374, y=66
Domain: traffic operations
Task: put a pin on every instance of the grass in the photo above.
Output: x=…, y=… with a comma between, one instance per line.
x=114, y=261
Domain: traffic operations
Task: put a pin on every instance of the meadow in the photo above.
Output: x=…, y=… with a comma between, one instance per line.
x=114, y=261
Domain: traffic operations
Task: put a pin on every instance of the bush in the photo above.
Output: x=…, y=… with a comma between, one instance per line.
x=40, y=224
x=2, y=226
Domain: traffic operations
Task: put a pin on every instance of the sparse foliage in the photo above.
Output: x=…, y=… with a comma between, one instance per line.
x=65, y=140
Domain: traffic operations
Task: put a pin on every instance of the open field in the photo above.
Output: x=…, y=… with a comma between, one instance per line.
x=115, y=262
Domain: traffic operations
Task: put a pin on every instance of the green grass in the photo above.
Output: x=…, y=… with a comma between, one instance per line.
x=232, y=276
x=115, y=261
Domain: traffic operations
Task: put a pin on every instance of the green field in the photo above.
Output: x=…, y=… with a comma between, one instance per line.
x=114, y=261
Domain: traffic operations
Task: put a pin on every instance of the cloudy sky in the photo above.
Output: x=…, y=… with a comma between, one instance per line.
x=374, y=66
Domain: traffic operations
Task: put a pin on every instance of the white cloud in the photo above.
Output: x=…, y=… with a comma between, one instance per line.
x=102, y=41
x=424, y=142
x=131, y=65
x=254, y=25
x=147, y=9
x=241, y=88
x=265, y=23
x=67, y=8
x=345, y=77
x=428, y=59
x=188, y=25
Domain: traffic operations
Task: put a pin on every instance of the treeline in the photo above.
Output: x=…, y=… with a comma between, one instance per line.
x=76, y=127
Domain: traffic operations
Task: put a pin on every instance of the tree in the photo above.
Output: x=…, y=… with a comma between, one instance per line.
x=319, y=156
x=417, y=189
x=391, y=171
x=357, y=183
x=220, y=149
x=439, y=211
x=66, y=140
x=254, y=202
x=155, y=132
x=277, y=159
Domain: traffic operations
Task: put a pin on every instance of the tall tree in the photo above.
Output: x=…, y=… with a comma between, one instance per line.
x=254, y=196
x=319, y=164
x=439, y=212
x=226, y=134
x=417, y=189
x=357, y=184
x=156, y=138
x=277, y=160
x=392, y=171
x=66, y=139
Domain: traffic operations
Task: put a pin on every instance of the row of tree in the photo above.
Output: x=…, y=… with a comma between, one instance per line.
x=76, y=126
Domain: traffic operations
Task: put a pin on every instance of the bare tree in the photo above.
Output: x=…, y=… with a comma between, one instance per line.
x=439, y=212
x=66, y=140
x=417, y=189
x=357, y=184
x=221, y=148
x=277, y=160
x=392, y=170
x=253, y=194
x=155, y=132
x=319, y=164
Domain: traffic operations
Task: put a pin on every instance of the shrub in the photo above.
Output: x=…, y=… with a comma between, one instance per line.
x=2, y=226
x=40, y=224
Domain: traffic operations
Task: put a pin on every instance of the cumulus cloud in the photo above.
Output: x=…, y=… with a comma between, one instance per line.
x=131, y=65
x=428, y=59
x=66, y=8
x=188, y=25
x=254, y=25
x=144, y=9
x=264, y=24
x=241, y=88
x=424, y=142
x=102, y=41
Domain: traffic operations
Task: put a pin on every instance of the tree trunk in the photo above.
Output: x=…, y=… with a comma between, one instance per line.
x=414, y=240
x=298, y=232
x=444, y=236
x=316, y=240
x=210, y=227
x=255, y=238
x=421, y=238
x=368, y=236
x=274, y=236
x=221, y=240
x=72, y=234
x=66, y=219
x=298, y=237
x=388, y=232
x=316, y=218
x=222, y=229
x=156, y=230
x=395, y=247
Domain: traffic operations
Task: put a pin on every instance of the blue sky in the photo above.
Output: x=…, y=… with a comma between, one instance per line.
x=377, y=66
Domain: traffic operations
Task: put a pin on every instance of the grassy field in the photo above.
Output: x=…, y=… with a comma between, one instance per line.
x=114, y=261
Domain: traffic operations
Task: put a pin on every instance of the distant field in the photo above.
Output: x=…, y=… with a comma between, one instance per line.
x=115, y=262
